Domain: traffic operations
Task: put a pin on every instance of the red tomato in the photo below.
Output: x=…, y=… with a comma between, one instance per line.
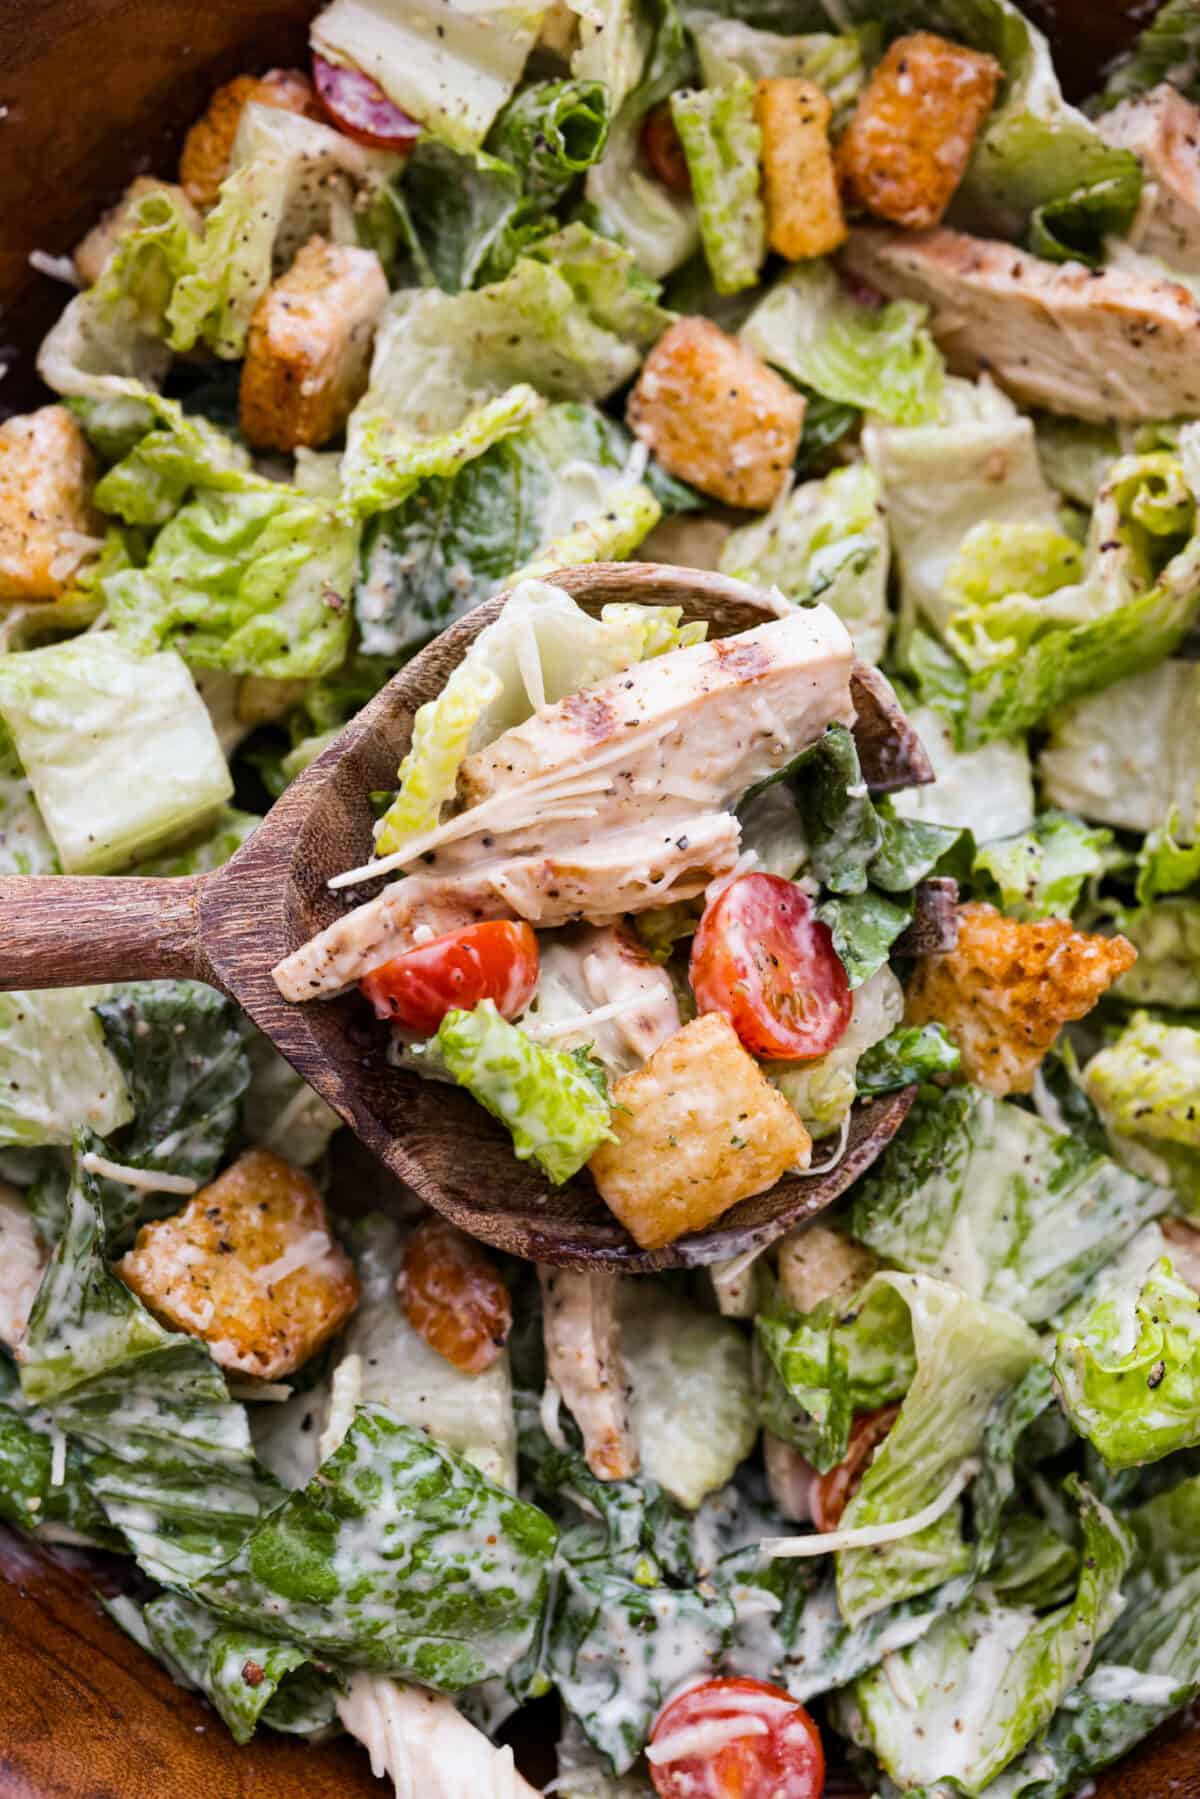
x=736, y=1739
x=663, y=151
x=761, y=957
x=832, y=1493
x=493, y=961
x=360, y=109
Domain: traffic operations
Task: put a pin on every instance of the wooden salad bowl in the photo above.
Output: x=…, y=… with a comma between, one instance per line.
x=93, y=92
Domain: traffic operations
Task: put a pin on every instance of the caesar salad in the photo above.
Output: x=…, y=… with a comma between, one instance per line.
x=851, y=306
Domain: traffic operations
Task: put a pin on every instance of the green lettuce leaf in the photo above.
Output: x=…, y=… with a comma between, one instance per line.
x=1167, y=50
x=31, y=1499
x=1136, y=773
x=882, y=360
x=1166, y=937
x=1042, y=873
x=1164, y=865
x=179, y=453
x=57, y=1075
x=555, y=1105
x=864, y=927
x=25, y=846
x=823, y=1091
x=229, y=831
x=1144, y=1086
x=981, y=1193
x=841, y=827
x=118, y=749
x=727, y=46
x=824, y=540
x=967, y=1354
x=1129, y=1372
x=910, y=1053
x=988, y=791
x=989, y=1678
x=722, y=143
x=398, y=1556
x=249, y=1678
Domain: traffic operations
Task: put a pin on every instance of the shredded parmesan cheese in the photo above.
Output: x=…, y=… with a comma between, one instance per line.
x=276, y=1392
x=143, y=1180
x=345, y=1393
x=869, y=1536
x=839, y=1152
x=550, y=1408
x=703, y=1739
x=58, y=1457
x=306, y=1252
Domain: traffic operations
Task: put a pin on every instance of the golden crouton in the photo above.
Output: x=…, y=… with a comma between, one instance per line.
x=907, y=147
x=250, y=1266
x=94, y=250
x=204, y=162
x=309, y=348
x=1006, y=991
x=47, y=524
x=716, y=416
x=698, y=1128
x=816, y=1264
x=800, y=190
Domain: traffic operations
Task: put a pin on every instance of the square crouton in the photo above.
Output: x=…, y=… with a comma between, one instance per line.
x=717, y=416
x=1009, y=987
x=94, y=250
x=800, y=189
x=907, y=147
x=817, y=1263
x=250, y=1266
x=48, y=527
x=308, y=353
x=204, y=162
x=698, y=1128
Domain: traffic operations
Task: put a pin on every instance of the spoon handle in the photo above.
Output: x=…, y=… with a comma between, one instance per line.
x=78, y=930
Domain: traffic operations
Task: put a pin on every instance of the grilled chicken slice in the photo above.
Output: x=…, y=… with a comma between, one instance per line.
x=599, y=988
x=1119, y=344
x=685, y=733
x=583, y=1358
x=624, y=871
x=1163, y=129
x=421, y=1742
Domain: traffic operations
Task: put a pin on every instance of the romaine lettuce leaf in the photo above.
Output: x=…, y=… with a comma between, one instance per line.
x=289, y=178
x=988, y=1679
x=823, y=1091
x=257, y=583
x=249, y=1678
x=1144, y=1086
x=57, y=1075
x=825, y=540
x=555, y=1105
x=1164, y=864
x=31, y=1498
x=179, y=453
x=553, y=132
x=628, y=513
x=1128, y=1373
x=229, y=831
x=693, y=1395
x=910, y=1053
x=722, y=143
x=1166, y=937
x=25, y=846
x=981, y=1193
x=280, y=1110
x=1128, y=756
x=864, y=927
x=988, y=791
x=451, y=68
x=726, y=45
x=882, y=360
x=1042, y=873
x=398, y=1556
x=967, y=1353
x=118, y=749
x=1167, y=50
x=841, y=827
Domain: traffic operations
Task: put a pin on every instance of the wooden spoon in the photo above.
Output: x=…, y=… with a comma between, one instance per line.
x=231, y=927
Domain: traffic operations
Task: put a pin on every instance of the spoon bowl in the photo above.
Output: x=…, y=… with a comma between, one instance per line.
x=231, y=927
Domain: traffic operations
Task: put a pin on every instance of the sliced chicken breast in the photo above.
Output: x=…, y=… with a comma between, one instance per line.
x=583, y=1358
x=1119, y=344
x=421, y=1742
x=625, y=871
x=1163, y=129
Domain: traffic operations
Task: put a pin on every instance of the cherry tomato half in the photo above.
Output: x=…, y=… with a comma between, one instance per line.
x=736, y=1739
x=663, y=151
x=360, y=109
x=495, y=961
x=832, y=1493
x=764, y=959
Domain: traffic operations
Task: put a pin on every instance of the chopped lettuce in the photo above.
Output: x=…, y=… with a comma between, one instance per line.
x=882, y=359
x=940, y=476
x=229, y=831
x=1165, y=865
x=1167, y=50
x=722, y=143
x=1146, y=1087
x=1041, y=874
x=864, y=927
x=118, y=749
x=989, y=1678
x=967, y=1354
x=910, y=1053
x=824, y=540
x=1128, y=757
x=693, y=1394
x=1128, y=1372
x=25, y=846
x=178, y=453
x=981, y=1193
x=32, y=1499
x=458, y=540
x=289, y=178
x=823, y=1091
x=1166, y=937
x=57, y=1075
x=988, y=790
x=397, y=1556
x=727, y=46
x=555, y=1104
x=841, y=827
x=450, y=67
x=257, y=583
